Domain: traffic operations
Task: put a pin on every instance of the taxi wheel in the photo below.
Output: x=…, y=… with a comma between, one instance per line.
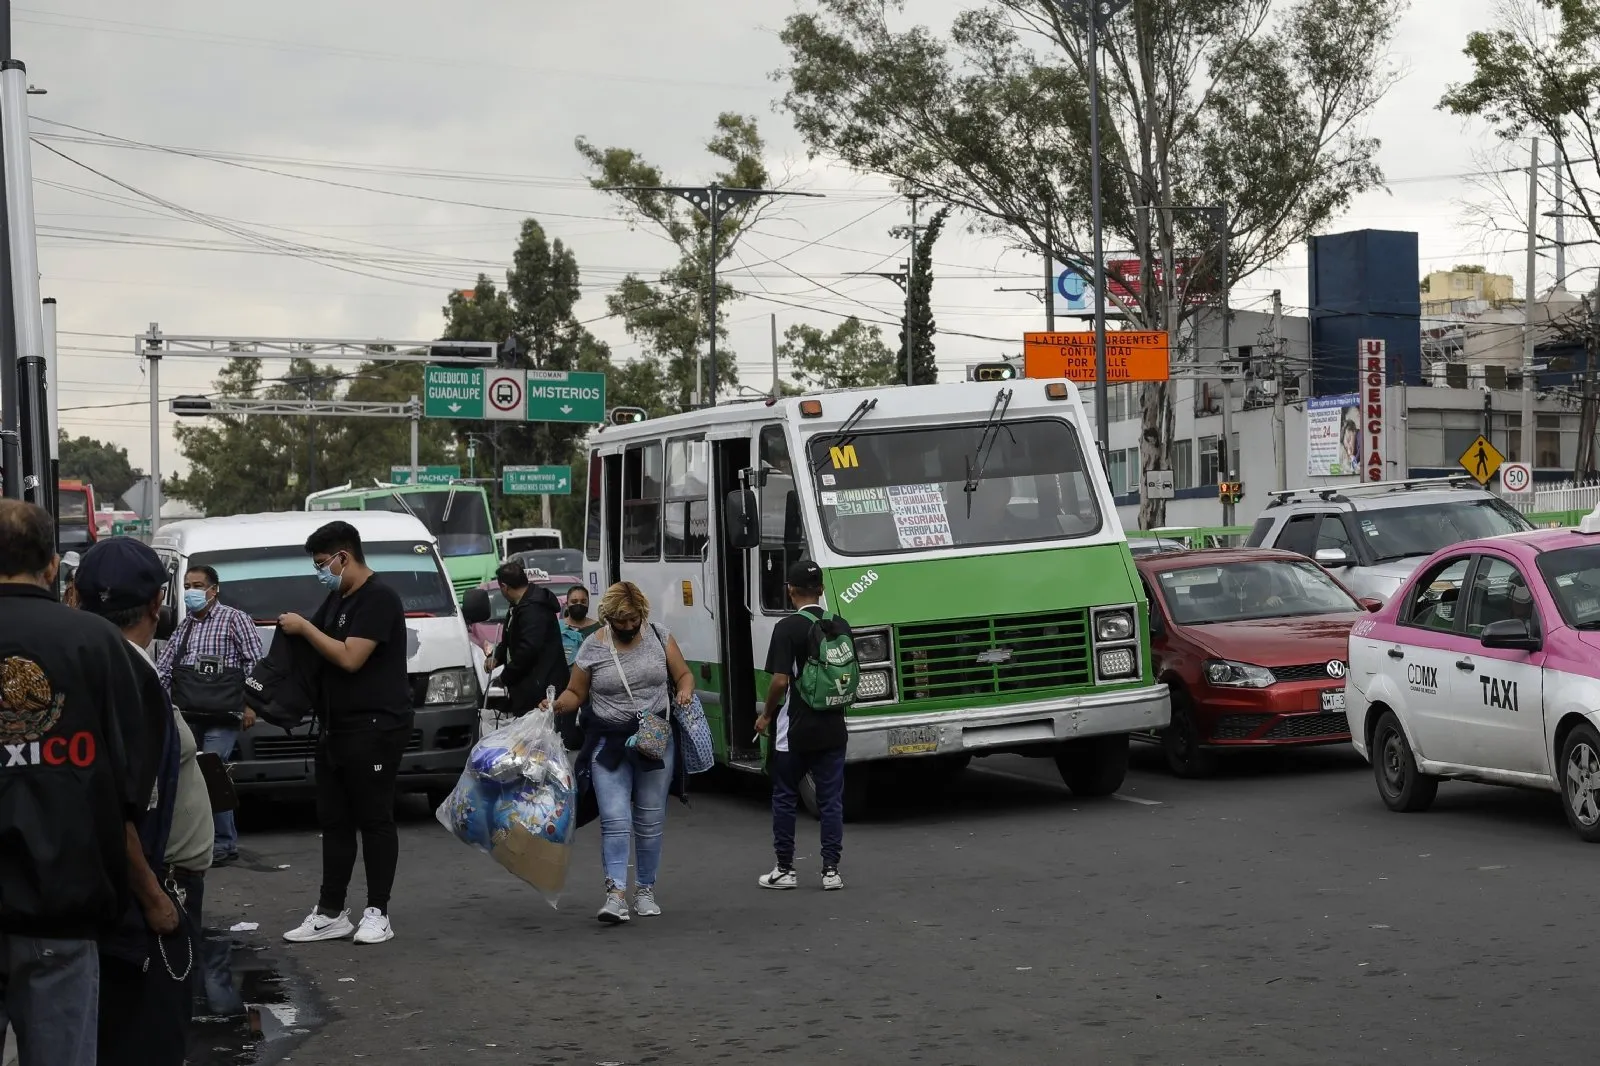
x=1180, y=741
x=1580, y=782
x=1403, y=787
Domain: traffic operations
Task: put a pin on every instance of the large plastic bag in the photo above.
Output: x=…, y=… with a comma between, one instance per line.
x=516, y=801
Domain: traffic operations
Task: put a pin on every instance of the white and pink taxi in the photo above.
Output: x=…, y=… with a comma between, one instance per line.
x=1485, y=667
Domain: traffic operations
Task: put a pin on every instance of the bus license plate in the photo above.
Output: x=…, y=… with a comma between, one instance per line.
x=1333, y=699
x=913, y=740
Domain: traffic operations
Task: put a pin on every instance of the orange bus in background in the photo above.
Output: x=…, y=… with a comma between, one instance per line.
x=75, y=529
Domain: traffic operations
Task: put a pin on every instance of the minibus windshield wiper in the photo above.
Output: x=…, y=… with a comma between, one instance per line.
x=986, y=438
x=845, y=436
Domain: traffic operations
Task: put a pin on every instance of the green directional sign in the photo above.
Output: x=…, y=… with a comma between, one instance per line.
x=537, y=480
x=426, y=475
x=453, y=392
x=565, y=396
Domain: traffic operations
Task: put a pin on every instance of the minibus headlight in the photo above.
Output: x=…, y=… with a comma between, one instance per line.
x=1117, y=662
x=873, y=685
x=453, y=685
x=872, y=647
x=1113, y=625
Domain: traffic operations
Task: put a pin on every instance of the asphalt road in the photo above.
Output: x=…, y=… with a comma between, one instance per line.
x=1275, y=914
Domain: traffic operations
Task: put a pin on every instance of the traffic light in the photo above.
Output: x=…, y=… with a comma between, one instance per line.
x=994, y=372
x=1230, y=491
x=626, y=416
x=463, y=351
x=190, y=406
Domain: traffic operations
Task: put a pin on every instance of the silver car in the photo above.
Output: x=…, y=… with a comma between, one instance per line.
x=1373, y=536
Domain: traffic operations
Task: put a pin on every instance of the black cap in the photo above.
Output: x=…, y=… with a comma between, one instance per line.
x=118, y=573
x=805, y=574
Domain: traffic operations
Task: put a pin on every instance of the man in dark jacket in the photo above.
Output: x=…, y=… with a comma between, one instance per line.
x=74, y=778
x=530, y=643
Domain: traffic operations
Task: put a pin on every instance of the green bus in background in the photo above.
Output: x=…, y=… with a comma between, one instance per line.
x=456, y=514
x=963, y=529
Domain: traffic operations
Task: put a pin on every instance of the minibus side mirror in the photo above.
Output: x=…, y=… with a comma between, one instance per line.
x=475, y=606
x=741, y=519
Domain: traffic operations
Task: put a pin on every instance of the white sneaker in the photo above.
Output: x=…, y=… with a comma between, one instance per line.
x=375, y=927
x=319, y=926
x=831, y=881
x=780, y=877
x=644, y=902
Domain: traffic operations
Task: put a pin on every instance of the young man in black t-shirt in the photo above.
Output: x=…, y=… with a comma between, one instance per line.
x=806, y=740
x=365, y=714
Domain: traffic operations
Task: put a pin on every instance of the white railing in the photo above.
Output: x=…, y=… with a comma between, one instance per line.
x=1565, y=497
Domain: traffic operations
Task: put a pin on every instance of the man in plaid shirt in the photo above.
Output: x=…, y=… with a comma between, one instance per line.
x=214, y=630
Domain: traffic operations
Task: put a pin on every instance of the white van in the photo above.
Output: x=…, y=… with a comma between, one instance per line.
x=264, y=570
x=513, y=541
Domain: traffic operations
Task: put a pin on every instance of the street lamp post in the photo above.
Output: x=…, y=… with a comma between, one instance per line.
x=713, y=202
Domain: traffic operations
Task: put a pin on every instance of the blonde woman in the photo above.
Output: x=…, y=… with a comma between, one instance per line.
x=626, y=668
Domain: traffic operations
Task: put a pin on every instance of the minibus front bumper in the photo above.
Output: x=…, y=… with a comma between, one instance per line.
x=1008, y=727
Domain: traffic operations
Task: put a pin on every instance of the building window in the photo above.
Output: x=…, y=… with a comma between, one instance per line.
x=686, y=525
x=1183, y=464
x=641, y=502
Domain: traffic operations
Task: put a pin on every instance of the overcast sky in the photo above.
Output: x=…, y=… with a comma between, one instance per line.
x=365, y=89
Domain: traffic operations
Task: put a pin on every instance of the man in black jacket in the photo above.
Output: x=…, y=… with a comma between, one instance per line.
x=530, y=643
x=74, y=778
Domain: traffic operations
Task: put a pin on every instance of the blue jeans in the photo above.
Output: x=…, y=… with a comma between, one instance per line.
x=827, y=774
x=633, y=803
x=50, y=993
x=221, y=740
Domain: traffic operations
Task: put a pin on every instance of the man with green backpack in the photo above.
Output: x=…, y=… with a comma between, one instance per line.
x=813, y=662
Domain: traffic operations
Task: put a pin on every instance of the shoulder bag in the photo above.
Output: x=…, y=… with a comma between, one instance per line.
x=654, y=730
x=699, y=753
x=206, y=693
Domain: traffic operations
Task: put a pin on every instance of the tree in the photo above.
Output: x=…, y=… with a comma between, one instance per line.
x=672, y=318
x=1538, y=72
x=852, y=356
x=1255, y=108
x=1469, y=268
x=919, y=303
x=103, y=465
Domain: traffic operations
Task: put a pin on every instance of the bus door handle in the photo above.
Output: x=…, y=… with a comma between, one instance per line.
x=705, y=581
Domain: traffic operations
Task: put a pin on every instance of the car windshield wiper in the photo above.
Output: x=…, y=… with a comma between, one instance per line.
x=844, y=436
x=449, y=502
x=986, y=438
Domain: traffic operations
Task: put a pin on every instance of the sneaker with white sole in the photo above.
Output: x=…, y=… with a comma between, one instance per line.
x=319, y=926
x=375, y=927
x=780, y=877
x=615, y=909
x=831, y=881
x=644, y=902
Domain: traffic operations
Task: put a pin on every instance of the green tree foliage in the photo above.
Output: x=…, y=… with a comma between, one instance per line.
x=851, y=356
x=924, y=364
x=240, y=465
x=1537, y=72
x=1253, y=106
x=671, y=317
x=103, y=465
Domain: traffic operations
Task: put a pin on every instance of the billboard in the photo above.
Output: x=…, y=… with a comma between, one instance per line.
x=1333, y=436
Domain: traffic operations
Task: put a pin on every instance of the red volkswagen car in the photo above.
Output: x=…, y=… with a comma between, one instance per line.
x=1252, y=644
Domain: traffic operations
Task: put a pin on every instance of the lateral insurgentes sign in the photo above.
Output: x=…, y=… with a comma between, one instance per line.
x=1373, y=373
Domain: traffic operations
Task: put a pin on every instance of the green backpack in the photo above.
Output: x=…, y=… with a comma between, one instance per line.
x=828, y=677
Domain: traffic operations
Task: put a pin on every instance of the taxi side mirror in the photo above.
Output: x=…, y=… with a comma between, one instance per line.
x=1371, y=603
x=1510, y=633
x=475, y=606
x=1332, y=557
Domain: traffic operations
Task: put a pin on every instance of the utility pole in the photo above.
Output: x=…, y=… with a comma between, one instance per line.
x=1561, y=222
x=1528, y=435
x=775, y=391
x=1049, y=274
x=911, y=287
x=52, y=364
x=713, y=202
x=1281, y=369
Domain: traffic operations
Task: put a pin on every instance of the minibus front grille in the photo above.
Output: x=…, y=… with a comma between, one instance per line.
x=464, y=585
x=988, y=657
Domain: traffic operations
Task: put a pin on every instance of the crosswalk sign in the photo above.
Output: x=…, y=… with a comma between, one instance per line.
x=1481, y=460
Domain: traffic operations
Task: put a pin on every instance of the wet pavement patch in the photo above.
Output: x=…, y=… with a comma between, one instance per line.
x=281, y=1007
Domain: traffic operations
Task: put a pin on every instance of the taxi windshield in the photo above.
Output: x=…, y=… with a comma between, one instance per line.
x=1573, y=577
x=1398, y=532
x=903, y=490
x=1250, y=590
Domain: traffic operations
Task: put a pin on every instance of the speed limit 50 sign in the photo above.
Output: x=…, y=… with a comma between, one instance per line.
x=1516, y=477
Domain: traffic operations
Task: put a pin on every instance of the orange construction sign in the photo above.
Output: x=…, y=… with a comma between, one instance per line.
x=1131, y=355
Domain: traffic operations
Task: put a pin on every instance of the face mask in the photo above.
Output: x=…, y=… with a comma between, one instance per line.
x=329, y=579
x=577, y=611
x=194, y=599
x=625, y=636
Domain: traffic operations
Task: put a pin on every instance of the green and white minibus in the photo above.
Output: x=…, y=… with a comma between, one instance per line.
x=456, y=514
x=964, y=530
